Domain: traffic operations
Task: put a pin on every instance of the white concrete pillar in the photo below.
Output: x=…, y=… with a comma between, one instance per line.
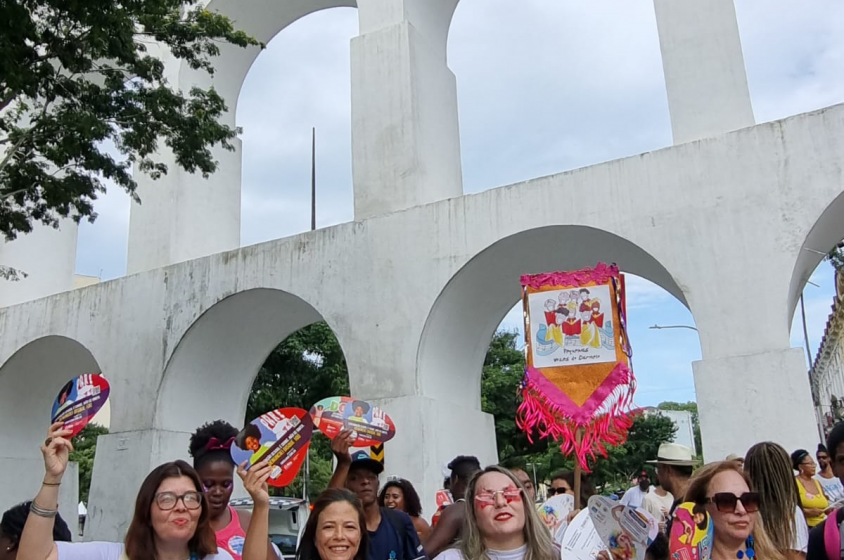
x=23, y=478
x=704, y=68
x=405, y=137
x=122, y=462
x=429, y=434
x=46, y=255
x=745, y=399
x=183, y=216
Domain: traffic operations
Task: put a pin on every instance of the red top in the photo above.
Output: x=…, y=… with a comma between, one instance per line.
x=231, y=537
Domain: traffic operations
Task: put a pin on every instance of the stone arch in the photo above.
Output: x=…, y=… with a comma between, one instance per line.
x=211, y=370
x=29, y=382
x=825, y=232
x=264, y=20
x=467, y=311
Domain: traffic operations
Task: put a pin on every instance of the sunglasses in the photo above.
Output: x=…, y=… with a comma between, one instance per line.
x=553, y=491
x=488, y=498
x=726, y=502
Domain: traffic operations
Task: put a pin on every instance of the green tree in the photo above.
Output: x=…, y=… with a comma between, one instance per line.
x=78, y=76
x=84, y=449
x=690, y=406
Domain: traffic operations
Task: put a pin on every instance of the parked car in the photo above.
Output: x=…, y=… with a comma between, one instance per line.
x=287, y=521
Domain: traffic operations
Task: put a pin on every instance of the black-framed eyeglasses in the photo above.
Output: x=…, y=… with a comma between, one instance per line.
x=168, y=500
x=555, y=491
x=726, y=502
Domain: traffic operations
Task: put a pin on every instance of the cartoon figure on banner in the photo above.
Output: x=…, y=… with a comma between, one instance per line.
x=574, y=322
x=369, y=424
x=250, y=438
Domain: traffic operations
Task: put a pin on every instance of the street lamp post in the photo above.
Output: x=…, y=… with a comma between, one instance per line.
x=660, y=327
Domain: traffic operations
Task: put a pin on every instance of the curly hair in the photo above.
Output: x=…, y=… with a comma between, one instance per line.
x=220, y=430
x=11, y=525
x=412, y=505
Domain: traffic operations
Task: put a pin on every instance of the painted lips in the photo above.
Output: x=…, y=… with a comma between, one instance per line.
x=503, y=517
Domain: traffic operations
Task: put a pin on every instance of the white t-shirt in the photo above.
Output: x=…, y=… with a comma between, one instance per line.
x=109, y=551
x=634, y=497
x=801, y=531
x=832, y=488
x=656, y=504
x=516, y=554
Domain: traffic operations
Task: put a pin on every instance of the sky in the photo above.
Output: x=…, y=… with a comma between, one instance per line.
x=543, y=87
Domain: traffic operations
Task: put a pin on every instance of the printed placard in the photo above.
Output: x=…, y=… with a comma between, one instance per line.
x=281, y=438
x=582, y=541
x=79, y=401
x=623, y=529
x=691, y=533
x=370, y=424
x=577, y=328
x=555, y=514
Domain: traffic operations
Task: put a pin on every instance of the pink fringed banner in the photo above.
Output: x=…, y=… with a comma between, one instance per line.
x=578, y=378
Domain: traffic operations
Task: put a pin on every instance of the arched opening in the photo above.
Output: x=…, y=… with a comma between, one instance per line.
x=250, y=353
x=29, y=382
x=546, y=87
x=300, y=83
x=458, y=364
x=816, y=288
x=213, y=367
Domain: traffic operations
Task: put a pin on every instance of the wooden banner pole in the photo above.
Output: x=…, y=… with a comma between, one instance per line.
x=578, y=473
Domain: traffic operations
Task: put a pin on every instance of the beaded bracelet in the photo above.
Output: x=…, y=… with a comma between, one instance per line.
x=41, y=512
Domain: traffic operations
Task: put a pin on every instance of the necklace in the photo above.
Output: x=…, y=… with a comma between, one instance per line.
x=748, y=552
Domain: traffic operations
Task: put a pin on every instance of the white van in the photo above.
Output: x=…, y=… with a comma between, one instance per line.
x=287, y=521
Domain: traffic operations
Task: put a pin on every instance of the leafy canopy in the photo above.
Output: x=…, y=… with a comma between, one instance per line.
x=76, y=76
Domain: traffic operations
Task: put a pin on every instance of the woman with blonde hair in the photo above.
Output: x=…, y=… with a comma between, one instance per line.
x=500, y=522
x=769, y=468
x=726, y=493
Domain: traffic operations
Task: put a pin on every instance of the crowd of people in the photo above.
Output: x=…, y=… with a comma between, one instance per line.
x=759, y=508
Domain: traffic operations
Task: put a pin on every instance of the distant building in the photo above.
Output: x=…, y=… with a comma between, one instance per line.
x=685, y=426
x=827, y=373
x=80, y=281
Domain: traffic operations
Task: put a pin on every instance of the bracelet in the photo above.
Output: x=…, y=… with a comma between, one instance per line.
x=51, y=484
x=41, y=512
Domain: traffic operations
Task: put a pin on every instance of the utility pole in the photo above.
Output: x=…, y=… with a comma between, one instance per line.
x=313, y=179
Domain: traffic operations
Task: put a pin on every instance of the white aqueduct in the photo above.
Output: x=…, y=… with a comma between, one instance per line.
x=728, y=220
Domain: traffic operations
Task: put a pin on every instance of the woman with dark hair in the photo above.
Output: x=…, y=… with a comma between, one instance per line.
x=11, y=528
x=335, y=529
x=170, y=521
x=812, y=498
x=401, y=495
x=210, y=447
x=769, y=468
x=726, y=493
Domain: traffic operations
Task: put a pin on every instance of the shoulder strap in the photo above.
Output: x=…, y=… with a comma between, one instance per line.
x=832, y=537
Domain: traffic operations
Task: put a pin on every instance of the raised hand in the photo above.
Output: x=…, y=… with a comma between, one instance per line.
x=340, y=446
x=56, y=450
x=255, y=481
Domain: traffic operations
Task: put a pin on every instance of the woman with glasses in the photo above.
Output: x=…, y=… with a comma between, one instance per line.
x=812, y=498
x=210, y=447
x=500, y=522
x=769, y=468
x=725, y=491
x=171, y=519
x=399, y=494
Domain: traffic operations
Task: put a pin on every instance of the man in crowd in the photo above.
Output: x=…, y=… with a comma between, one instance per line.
x=518, y=469
x=674, y=467
x=391, y=532
x=447, y=529
x=634, y=496
x=818, y=548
